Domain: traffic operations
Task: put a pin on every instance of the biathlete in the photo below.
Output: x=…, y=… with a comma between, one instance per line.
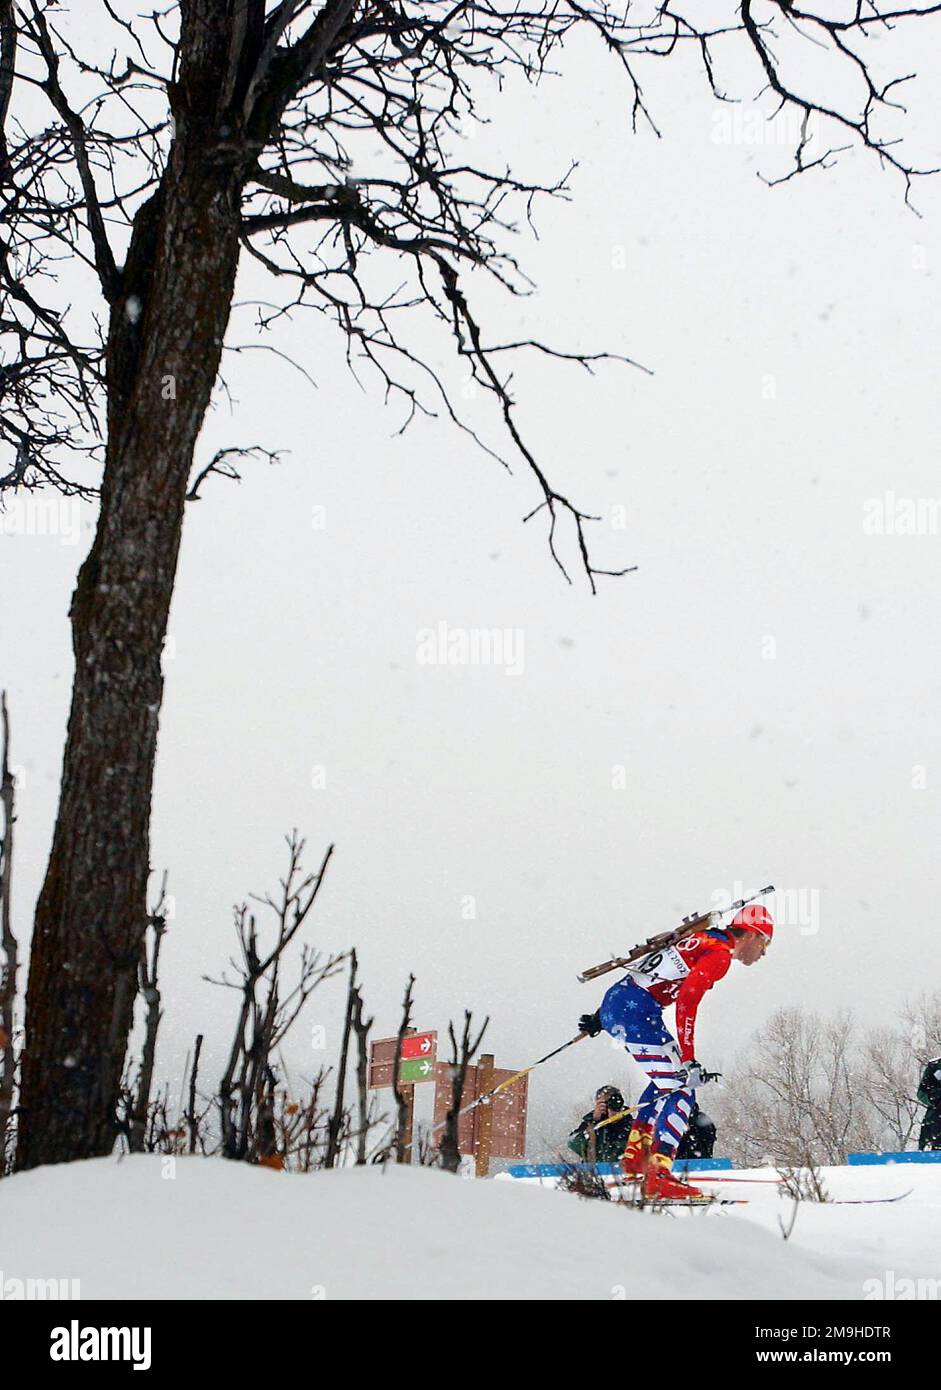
x=632, y=1012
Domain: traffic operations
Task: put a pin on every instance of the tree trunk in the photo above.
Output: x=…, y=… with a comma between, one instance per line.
x=149, y=977
x=336, y=1120
x=164, y=344
x=8, y=944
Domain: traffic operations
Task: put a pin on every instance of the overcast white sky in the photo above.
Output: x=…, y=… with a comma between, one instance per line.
x=768, y=680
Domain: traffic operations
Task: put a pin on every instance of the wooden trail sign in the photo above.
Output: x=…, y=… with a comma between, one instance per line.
x=496, y=1129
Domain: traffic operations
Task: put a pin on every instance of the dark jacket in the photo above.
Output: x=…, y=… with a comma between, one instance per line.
x=610, y=1142
x=929, y=1094
x=700, y=1139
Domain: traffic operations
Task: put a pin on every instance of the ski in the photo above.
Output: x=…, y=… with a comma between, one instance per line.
x=867, y=1201
x=626, y=1183
x=707, y=1177
x=708, y=1199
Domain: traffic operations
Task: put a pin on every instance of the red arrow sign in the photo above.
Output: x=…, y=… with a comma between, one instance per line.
x=420, y=1045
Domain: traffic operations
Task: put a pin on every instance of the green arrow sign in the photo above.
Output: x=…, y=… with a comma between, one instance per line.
x=417, y=1069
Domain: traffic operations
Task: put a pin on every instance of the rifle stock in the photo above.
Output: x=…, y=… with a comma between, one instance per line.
x=653, y=943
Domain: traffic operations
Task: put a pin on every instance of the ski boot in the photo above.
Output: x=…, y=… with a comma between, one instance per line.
x=659, y=1182
x=636, y=1156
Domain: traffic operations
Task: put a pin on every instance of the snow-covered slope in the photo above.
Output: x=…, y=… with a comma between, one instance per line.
x=202, y=1228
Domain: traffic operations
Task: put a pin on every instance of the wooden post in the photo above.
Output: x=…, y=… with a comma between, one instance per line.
x=409, y=1090
x=484, y=1126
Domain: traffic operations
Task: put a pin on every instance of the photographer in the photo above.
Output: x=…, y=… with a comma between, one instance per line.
x=603, y=1145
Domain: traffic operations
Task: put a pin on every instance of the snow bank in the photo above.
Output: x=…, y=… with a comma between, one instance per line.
x=147, y=1227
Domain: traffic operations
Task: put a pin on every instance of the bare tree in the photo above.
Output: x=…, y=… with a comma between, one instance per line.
x=333, y=1141
x=890, y=1076
x=813, y=1089
x=246, y=1091
x=150, y=993
x=303, y=1129
x=361, y=1028
x=922, y=1023
x=257, y=1114
x=403, y=1140
x=216, y=129
x=461, y=1055
x=192, y=1118
x=799, y=1097
x=893, y=1059
x=841, y=1111
x=7, y=939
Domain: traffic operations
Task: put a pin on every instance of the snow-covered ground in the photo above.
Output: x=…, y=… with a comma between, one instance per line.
x=147, y=1227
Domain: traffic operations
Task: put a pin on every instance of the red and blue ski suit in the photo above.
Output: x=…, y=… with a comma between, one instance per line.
x=632, y=1012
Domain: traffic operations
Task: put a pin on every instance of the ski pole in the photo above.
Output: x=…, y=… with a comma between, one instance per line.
x=517, y=1075
x=632, y=1109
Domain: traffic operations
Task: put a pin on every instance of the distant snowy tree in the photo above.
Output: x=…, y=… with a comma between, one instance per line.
x=811, y=1087
x=798, y=1093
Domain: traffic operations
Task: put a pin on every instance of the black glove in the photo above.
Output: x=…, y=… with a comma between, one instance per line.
x=590, y=1024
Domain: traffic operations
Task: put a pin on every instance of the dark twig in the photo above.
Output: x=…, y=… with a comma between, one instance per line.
x=402, y=1098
